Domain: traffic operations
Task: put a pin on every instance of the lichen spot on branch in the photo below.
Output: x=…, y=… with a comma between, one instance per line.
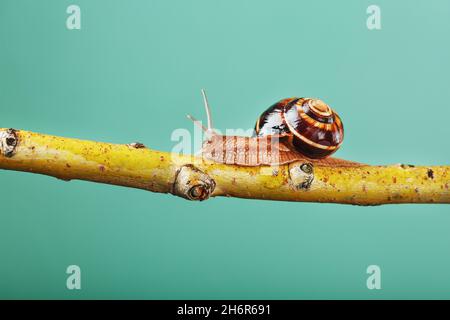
x=8, y=142
x=136, y=145
x=193, y=184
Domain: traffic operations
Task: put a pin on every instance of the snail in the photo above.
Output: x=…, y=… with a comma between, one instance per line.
x=293, y=129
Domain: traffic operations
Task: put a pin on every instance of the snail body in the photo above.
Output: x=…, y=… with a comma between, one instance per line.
x=250, y=151
x=293, y=129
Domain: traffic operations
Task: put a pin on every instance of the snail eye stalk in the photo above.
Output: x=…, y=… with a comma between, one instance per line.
x=209, y=129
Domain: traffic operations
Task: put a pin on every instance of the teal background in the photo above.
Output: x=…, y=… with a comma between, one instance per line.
x=132, y=73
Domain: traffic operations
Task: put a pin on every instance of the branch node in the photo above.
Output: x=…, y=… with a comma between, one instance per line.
x=8, y=142
x=193, y=184
x=301, y=175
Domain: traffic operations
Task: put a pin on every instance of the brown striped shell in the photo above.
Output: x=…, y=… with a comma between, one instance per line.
x=316, y=130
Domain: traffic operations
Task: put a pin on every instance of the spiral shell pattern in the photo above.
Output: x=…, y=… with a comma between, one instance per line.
x=316, y=129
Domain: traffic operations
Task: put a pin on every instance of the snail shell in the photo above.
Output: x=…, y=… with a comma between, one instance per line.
x=316, y=129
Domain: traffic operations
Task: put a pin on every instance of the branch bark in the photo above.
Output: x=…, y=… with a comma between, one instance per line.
x=195, y=178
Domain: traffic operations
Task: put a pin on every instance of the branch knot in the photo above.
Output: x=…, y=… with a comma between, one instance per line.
x=301, y=175
x=8, y=142
x=193, y=184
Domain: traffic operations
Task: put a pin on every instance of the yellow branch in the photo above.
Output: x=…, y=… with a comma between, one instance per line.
x=196, y=178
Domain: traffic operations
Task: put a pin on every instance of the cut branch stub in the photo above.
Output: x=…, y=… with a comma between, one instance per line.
x=301, y=175
x=193, y=184
x=8, y=142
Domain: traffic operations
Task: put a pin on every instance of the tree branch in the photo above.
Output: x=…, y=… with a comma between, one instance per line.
x=195, y=178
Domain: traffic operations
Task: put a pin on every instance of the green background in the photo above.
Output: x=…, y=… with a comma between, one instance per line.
x=132, y=73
